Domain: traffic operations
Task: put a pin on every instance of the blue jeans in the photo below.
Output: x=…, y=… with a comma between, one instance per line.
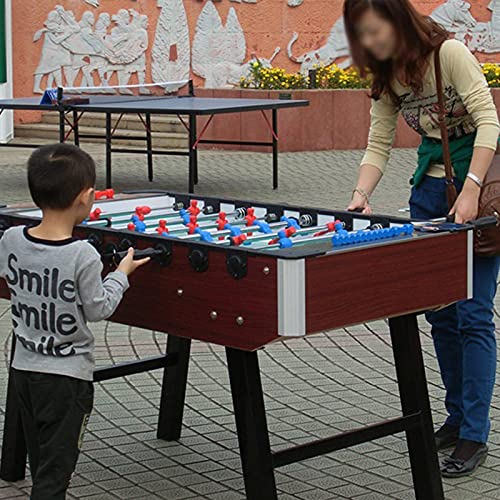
x=463, y=333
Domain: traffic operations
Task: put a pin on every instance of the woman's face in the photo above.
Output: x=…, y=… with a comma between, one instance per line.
x=377, y=35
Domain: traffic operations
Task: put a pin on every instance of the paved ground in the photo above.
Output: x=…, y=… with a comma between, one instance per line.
x=314, y=387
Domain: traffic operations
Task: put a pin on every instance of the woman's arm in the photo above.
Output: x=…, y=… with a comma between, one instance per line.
x=468, y=80
x=467, y=204
x=368, y=179
x=384, y=115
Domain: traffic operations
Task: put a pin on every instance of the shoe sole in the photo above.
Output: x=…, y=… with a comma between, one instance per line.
x=468, y=473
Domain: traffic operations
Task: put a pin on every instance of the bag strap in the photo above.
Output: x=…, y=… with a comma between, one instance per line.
x=451, y=190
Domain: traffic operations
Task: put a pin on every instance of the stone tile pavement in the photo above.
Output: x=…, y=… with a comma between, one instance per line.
x=314, y=387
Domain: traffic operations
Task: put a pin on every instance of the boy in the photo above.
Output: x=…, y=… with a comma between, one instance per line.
x=56, y=287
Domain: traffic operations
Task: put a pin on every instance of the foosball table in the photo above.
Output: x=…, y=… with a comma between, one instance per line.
x=244, y=275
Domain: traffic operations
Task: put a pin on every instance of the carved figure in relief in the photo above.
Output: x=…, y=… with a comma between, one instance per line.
x=454, y=15
x=218, y=51
x=336, y=47
x=171, y=54
x=54, y=57
x=88, y=48
x=245, y=69
x=98, y=62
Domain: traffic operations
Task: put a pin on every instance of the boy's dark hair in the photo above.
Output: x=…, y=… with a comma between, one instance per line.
x=58, y=173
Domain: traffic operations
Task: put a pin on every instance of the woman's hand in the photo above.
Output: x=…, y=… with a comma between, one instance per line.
x=359, y=203
x=466, y=207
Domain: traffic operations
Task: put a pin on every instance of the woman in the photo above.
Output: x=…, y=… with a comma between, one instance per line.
x=395, y=44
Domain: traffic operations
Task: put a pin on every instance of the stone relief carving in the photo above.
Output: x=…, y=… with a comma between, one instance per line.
x=171, y=55
x=455, y=16
x=218, y=50
x=93, y=49
x=336, y=46
x=89, y=47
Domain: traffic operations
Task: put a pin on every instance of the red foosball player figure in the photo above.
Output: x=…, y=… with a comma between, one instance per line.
x=109, y=194
x=162, y=227
x=239, y=240
x=193, y=208
x=221, y=223
x=193, y=224
x=141, y=212
x=96, y=214
x=250, y=218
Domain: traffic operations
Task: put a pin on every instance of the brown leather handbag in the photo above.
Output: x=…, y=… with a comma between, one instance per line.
x=487, y=239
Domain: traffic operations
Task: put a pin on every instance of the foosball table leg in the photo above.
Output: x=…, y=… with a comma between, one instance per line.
x=13, y=461
x=251, y=425
x=173, y=392
x=415, y=400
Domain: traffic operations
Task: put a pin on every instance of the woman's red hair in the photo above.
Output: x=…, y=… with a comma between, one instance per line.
x=418, y=36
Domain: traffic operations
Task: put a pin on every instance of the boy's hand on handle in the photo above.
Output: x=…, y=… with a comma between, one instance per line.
x=128, y=265
x=359, y=204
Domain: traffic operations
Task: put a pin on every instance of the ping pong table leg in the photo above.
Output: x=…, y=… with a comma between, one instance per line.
x=275, y=148
x=149, y=145
x=76, y=130
x=13, y=464
x=193, y=174
x=195, y=153
x=62, y=127
x=108, y=151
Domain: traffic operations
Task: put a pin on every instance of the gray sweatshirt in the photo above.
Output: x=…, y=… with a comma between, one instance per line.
x=56, y=287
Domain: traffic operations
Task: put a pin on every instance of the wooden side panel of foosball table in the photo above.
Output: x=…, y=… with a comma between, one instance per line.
x=154, y=301
x=386, y=281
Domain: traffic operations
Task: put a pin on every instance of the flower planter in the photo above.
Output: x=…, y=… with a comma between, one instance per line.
x=334, y=119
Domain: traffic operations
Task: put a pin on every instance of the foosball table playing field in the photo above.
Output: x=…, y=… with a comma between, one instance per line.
x=244, y=275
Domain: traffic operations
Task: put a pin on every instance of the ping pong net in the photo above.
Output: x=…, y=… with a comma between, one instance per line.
x=61, y=96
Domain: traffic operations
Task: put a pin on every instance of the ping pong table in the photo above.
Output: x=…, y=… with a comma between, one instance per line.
x=190, y=106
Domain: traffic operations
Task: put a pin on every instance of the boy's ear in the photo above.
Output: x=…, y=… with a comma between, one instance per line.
x=87, y=196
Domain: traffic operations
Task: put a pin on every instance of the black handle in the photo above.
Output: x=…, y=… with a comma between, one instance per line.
x=490, y=220
x=138, y=254
x=161, y=254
